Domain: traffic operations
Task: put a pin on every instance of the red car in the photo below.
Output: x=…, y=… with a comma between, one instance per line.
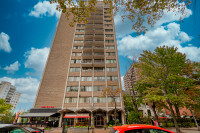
x=139, y=128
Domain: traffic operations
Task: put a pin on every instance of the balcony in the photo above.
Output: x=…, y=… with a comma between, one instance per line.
x=99, y=55
x=86, y=63
x=99, y=63
x=87, y=48
x=87, y=55
x=99, y=42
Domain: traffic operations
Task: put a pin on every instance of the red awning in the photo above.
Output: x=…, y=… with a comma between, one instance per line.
x=77, y=116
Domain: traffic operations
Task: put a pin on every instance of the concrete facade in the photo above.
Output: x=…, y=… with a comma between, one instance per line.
x=8, y=92
x=82, y=62
x=130, y=78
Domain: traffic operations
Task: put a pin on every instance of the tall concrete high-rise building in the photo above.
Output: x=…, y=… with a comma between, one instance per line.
x=82, y=62
x=8, y=92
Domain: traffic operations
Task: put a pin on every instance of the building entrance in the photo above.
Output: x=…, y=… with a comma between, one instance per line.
x=99, y=121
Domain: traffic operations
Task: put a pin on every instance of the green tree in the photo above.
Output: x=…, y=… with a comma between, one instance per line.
x=113, y=93
x=131, y=114
x=163, y=68
x=140, y=12
x=4, y=107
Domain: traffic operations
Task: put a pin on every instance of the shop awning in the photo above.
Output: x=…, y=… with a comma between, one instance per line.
x=37, y=115
x=77, y=116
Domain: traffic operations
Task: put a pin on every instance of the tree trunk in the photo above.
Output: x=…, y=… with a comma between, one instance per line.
x=154, y=111
x=173, y=116
x=135, y=105
x=194, y=118
x=115, y=114
x=177, y=111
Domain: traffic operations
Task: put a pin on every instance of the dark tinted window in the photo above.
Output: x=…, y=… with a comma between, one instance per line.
x=137, y=131
x=157, y=131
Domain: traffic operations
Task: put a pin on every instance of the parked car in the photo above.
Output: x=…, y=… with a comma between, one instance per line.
x=34, y=130
x=139, y=128
x=10, y=128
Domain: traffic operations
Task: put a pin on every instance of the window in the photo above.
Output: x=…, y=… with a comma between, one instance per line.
x=109, y=35
x=137, y=131
x=99, y=88
x=109, y=41
x=112, y=78
x=75, y=61
x=76, y=54
x=86, y=78
x=98, y=61
x=80, y=25
x=99, y=69
x=87, y=69
x=108, y=25
x=110, y=47
x=107, y=20
x=99, y=78
x=86, y=88
x=99, y=100
x=87, y=61
x=73, y=78
x=110, y=54
x=72, y=88
x=78, y=47
x=106, y=16
x=111, y=69
x=76, y=69
x=113, y=99
x=71, y=100
x=85, y=99
x=113, y=87
x=79, y=35
x=78, y=41
x=157, y=131
x=79, y=30
x=108, y=30
x=110, y=61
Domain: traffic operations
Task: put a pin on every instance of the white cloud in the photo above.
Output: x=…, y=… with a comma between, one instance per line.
x=170, y=35
x=36, y=59
x=26, y=86
x=45, y=9
x=125, y=28
x=13, y=67
x=4, y=44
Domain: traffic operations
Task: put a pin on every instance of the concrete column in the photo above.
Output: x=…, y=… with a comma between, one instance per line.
x=123, y=117
x=60, y=120
x=92, y=119
x=107, y=117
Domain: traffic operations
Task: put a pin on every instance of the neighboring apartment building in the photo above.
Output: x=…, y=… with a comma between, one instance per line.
x=130, y=78
x=8, y=92
x=82, y=62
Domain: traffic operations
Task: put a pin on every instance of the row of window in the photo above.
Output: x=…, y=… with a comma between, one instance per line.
x=106, y=30
x=81, y=41
x=89, y=99
x=96, y=53
x=96, y=69
x=84, y=88
x=106, y=47
x=96, y=78
x=82, y=35
x=77, y=61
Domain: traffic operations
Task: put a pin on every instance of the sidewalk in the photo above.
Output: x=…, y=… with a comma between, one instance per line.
x=185, y=130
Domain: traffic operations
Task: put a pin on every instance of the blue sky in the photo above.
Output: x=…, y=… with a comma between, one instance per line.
x=27, y=28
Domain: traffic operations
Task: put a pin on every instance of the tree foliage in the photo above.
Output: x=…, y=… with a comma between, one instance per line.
x=165, y=71
x=140, y=12
x=4, y=107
